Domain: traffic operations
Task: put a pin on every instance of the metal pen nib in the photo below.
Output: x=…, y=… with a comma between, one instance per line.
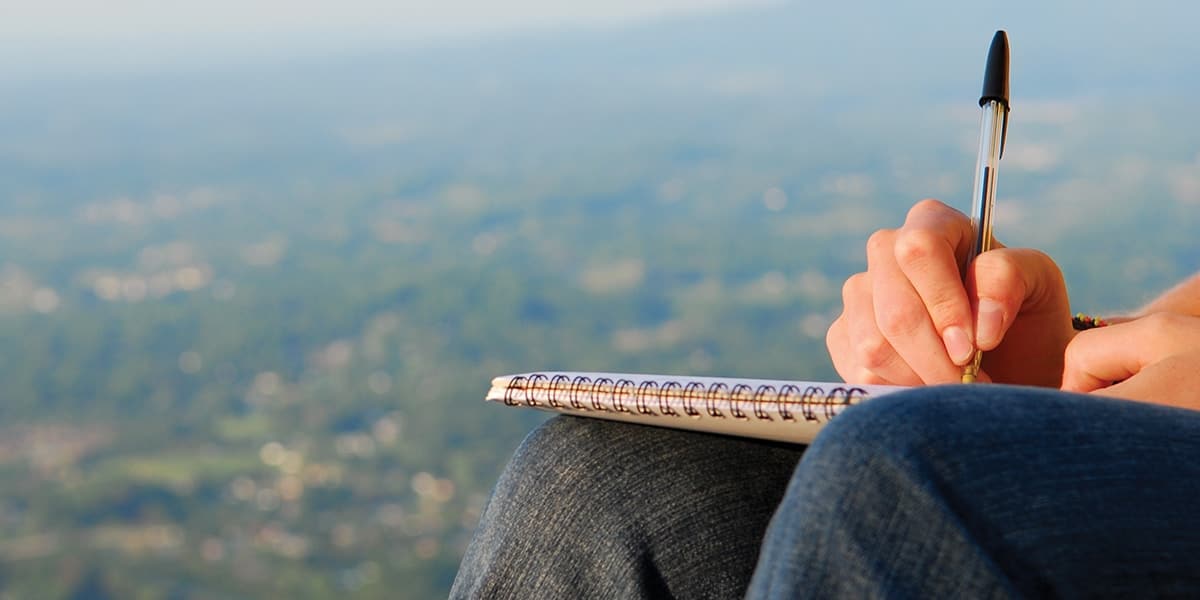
x=993, y=129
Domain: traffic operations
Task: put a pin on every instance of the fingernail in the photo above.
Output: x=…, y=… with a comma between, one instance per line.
x=958, y=345
x=991, y=320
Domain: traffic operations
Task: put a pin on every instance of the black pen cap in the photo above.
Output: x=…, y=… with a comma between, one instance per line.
x=995, y=77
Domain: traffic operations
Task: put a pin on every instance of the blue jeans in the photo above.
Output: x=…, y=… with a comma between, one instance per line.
x=975, y=492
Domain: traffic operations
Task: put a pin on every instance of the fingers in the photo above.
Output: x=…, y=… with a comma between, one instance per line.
x=860, y=352
x=929, y=250
x=921, y=305
x=1097, y=358
x=1172, y=381
x=1010, y=281
x=1144, y=384
x=903, y=319
x=911, y=319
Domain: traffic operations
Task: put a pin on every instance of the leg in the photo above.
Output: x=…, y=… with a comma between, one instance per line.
x=596, y=509
x=991, y=492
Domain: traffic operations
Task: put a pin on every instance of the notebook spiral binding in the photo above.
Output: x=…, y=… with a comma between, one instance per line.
x=652, y=398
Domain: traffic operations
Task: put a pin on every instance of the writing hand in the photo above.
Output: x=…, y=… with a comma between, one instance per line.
x=1155, y=358
x=910, y=319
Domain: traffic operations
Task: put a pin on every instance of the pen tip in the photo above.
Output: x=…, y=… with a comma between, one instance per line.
x=995, y=77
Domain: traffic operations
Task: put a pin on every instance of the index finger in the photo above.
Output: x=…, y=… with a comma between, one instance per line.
x=931, y=249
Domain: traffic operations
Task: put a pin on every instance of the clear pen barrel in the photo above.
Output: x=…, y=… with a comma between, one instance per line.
x=991, y=136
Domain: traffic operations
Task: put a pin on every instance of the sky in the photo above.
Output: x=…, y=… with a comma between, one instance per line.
x=1089, y=40
x=142, y=31
x=113, y=19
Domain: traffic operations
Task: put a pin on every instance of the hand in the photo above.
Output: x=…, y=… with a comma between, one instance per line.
x=1155, y=358
x=911, y=320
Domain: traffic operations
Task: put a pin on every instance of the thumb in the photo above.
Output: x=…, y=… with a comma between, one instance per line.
x=1009, y=281
x=1097, y=357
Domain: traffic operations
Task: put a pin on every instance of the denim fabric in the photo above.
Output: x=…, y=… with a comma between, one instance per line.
x=991, y=492
x=963, y=492
x=591, y=509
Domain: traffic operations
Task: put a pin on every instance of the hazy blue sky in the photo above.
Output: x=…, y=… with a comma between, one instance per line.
x=1148, y=41
x=138, y=30
x=142, y=19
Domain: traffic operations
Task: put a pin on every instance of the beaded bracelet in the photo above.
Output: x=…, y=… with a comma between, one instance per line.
x=1082, y=322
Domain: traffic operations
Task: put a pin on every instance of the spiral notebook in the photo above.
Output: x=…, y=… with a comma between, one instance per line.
x=788, y=411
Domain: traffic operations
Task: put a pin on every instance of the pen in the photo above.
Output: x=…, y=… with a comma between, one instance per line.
x=993, y=128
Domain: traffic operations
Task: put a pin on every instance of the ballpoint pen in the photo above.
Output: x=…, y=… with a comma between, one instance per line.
x=992, y=130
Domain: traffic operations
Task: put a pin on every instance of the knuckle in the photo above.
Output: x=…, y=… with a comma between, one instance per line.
x=998, y=275
x=1039, y=256
x=854, y=286
x=1075, y=348
x=1163, y=322
x=999, y=266
x=927, y=205
x=1163, y=325
x=874, y=352
x=945, y=309
x=896, y=320
x=880, y=241
x=914, y=246
x=835, y=335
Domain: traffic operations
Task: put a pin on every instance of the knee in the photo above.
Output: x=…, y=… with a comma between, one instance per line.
x=555, y=440
x=559, y=453
x=941, y=427
x=920, y=424
x=889, y=420
x=578, y=460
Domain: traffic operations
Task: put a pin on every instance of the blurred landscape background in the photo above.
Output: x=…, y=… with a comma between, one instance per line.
x=259, y=264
